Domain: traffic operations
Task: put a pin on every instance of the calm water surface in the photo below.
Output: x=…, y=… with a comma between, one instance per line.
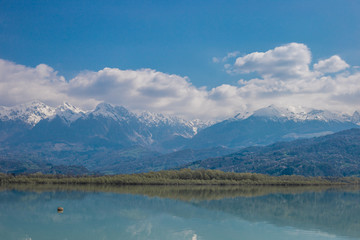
x=179, y=213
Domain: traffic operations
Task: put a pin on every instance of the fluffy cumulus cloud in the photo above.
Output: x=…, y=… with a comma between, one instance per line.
x=19, y=84
x=143, y=89
x=331, y=65
x=290, y=61
x=147, y=89
x=284, y=77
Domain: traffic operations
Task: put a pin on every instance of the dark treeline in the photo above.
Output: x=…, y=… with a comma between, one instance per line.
x=179, y=177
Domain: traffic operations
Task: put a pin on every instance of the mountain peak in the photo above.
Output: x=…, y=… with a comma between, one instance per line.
x=270, y=111
x=68, y=107
x=298, y=113
x=68, y=112
x=356, y=118
x=158, y=118
x=275, y=112
x=118, y=113
x=35, y=102
x=30, y=113
x=324, y=115
x=104, y=107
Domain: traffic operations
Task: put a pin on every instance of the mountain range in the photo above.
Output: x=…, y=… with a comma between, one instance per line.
x=111, y=139
x=105, y=125
x=335, y=155
x=273, y=124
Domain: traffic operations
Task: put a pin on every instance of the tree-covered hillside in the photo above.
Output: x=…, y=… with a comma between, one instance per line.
x=332, y=155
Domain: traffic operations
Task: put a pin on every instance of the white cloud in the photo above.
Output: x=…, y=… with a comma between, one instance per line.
x=284, y=79
x=331, y=65
x=19, y=84
x=228, y=56
x=143, y=89
x=215, y=60
x=285, y=62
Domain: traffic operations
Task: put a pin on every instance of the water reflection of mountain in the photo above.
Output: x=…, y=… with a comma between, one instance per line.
x=331, y=211
x=334, y=211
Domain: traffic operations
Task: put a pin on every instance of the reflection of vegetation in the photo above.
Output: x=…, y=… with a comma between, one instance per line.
x=332, y=211
x=180, y=192
x=180, y=177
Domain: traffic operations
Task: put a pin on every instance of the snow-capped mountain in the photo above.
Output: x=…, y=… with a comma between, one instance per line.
x=117, y=113
x=110, y=136
x=356, y=118
x=271, y=124
x=106, y=123
x=300, y=114
x=35, y=111
x=156, y=120
x=30, y=113
x=68, y=113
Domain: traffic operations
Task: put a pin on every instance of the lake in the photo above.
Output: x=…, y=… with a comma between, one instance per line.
x=192, y=213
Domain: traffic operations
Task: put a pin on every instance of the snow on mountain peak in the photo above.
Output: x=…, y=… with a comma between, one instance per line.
x=68, y=112
x=118, y=113
x=68, y=107
x=30, y=113
x=158, y=119
x=324, y=115
x=35, y=111
x=356, y=118
x=298, y=113
x=272, y=111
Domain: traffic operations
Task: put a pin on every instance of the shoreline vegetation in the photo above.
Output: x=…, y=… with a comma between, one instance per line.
x=180, y=177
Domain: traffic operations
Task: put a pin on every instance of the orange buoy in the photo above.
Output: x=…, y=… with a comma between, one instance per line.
x=60, y=209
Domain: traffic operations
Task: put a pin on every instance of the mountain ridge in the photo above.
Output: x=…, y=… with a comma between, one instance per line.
x=113, y=136
x=273, y=124
x=336, y=155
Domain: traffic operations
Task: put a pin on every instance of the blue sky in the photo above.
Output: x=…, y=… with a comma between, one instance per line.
x=185, y=38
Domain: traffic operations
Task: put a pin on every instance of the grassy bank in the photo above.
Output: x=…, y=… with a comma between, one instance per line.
x=179, y=177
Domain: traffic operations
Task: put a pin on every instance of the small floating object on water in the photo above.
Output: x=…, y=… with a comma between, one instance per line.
x=60, y=209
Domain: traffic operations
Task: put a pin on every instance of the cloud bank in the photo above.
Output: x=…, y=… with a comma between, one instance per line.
x=285, y=77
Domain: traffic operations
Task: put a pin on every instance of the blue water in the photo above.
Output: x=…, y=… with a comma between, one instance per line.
x=160, y=214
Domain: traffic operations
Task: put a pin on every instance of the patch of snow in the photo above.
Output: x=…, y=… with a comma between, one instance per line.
x=356, y=118
x=68, y=112
x=301, y=114
x=30, y=113
x=185, y=128
x=117, y=113
x=157, y=119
